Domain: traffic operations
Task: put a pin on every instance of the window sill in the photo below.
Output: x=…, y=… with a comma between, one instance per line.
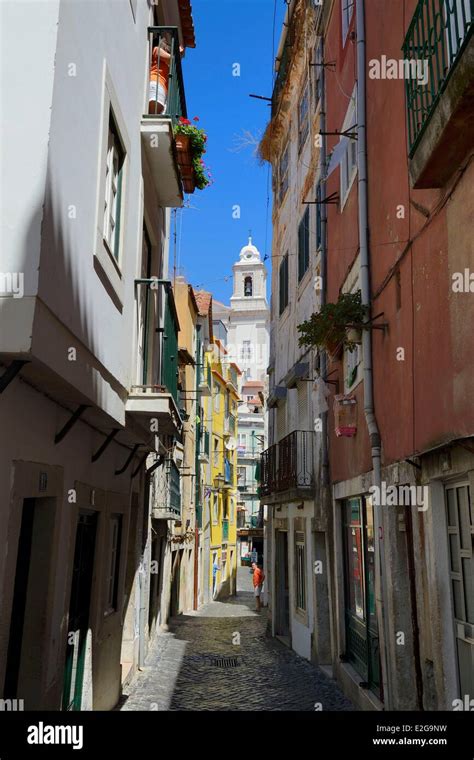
x=109, y=272
x=348, y=192
x=302, y=284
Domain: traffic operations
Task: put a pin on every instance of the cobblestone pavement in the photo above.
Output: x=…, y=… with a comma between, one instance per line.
x=187, y=669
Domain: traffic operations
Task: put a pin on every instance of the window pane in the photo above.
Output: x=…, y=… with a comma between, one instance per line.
x=458, y=600
x=453, y=545
x=452, y=510
x=468, y=575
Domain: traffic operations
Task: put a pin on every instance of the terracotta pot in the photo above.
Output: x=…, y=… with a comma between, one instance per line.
x=354, y=335
x=183, y=148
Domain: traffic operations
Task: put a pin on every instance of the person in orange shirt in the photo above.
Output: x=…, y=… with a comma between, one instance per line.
x=258, y=578
x=159, y=77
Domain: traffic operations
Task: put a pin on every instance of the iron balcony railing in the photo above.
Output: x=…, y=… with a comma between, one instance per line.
x=166, y=491
x=157, y=315
x=438, y=33
x=169, y=73
x=288, y=464
x=225, y=530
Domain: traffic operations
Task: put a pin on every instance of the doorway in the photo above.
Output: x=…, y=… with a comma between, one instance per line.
x=79, y=608
x=28, y=623
x=282, y=596
x=460, y=524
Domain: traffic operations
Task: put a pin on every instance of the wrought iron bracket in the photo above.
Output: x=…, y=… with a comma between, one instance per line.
x=343, y=133
x=326, y=65
x=104, y=445
x=140, y=465
x=70, y=423
x=11, y=372
x=129, y=459
x=413, y=464
x=333, y=198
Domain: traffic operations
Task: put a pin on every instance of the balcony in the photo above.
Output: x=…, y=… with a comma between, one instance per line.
x=204, y=382
x=204, y=446
x=165, y=492
x=230, y=425
x=156, y=128
x=156, y=397
x=439, y=39
x=287, y=467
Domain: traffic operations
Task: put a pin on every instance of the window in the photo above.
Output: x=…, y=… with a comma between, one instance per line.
x=303, y=245
x=303, y=117
x=353, y=364
x=319, y=229
x=349, y=157
x=248, y=286
x=232, y=510
x=347, y=9
x=284, y=171
x=215, y=508
x=113, y=190
x=217, y=397
x=300, y=565
x=242, y=441
x=352, y=367
x=115, y=535
x=317, y=59
x=246, y=351
x=241, y=476
x=216, y=452
x=283, y=283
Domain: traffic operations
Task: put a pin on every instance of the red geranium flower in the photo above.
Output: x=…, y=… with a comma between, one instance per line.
x=196, y=118
x=182, y=120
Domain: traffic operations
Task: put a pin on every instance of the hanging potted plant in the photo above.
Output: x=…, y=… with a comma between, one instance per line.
x=190, y=143
x=336, y=326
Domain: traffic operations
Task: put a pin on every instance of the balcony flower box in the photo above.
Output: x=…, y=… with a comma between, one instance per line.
x=190, y=143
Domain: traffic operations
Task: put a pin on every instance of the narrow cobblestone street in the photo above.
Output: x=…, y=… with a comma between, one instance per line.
x=196, y=665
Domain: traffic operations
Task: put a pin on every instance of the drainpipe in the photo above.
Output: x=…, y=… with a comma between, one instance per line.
x=323, y=355
x=373, y=429
x=197, y=434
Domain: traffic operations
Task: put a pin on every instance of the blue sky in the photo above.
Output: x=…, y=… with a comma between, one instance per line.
x=228, y=32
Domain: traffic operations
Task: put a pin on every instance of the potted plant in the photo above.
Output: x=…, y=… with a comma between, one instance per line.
x=190, y=143
x=336, y=325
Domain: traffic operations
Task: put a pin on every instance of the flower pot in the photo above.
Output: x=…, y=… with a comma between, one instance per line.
x=354, y=335
x=185, y=162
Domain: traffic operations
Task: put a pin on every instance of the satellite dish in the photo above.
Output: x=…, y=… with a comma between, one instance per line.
x=231, y=444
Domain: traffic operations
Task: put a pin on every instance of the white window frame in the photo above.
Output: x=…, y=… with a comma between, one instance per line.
x=348, y=164
x=112, y=211
x=352, y=359
x=215, y=508
x=284, y=176
x=347, y=9
x=303, y=122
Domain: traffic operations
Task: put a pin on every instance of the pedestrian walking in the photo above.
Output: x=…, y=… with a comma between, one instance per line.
x=258, y=578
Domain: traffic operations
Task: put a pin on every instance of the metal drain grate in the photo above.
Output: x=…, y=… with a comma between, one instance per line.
x=225, y=662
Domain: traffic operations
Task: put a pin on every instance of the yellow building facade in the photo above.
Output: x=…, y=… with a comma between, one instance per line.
x=222, y=491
